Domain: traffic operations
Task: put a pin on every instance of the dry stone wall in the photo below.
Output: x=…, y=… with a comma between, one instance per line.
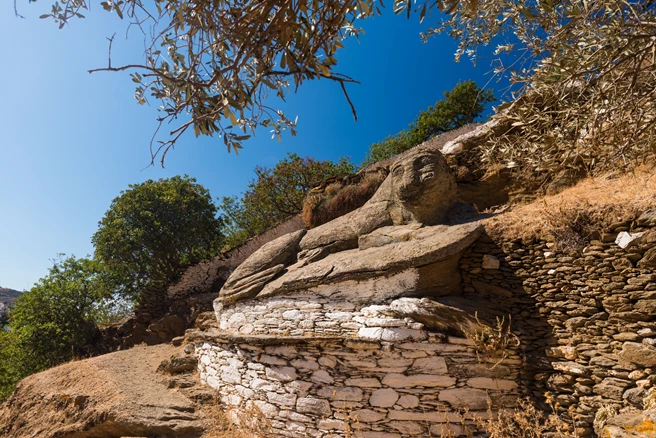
x=586, y=320
x=422, y=384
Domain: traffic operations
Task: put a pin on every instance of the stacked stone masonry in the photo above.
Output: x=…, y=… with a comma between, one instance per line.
x=421, y=384
x=586, y=319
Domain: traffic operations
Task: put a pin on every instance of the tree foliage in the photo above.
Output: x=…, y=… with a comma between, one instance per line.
x=276, y=194
x=587, y=77
x=460, y=106
x=154, y=229
x=53, y=322
x=215, y=63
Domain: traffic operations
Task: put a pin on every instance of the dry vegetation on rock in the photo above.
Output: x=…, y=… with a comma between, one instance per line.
x=577, y=215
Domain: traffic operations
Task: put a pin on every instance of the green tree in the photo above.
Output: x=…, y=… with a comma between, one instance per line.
x=153, y=230
x=276, y=194
x=460, y=106
x=53, y=322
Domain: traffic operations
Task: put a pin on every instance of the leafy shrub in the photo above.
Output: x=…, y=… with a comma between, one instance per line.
x=276, y=194
x=53, y=322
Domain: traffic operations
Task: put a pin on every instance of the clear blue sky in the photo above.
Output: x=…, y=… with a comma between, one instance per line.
x=72, y=141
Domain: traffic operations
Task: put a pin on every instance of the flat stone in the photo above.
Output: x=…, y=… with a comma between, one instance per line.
x=315, y=406
x=342, y=393
x=430, y=365
x=464, y=398
x=640, y=354
x=283, y=374
x=282, y=400
x=612, y=388
x=572, y=368
x=626, y=240
x=322, y=376
x=407, y=428
x=408, y=401
x=487, y=383
x=384, y=398
x=366, y=382
x=391, y=334
x=648, y=259
x=367, y=415
x=426, y=380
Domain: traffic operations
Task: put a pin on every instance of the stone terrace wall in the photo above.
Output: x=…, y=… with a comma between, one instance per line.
x=587, y=321
x=338, y=387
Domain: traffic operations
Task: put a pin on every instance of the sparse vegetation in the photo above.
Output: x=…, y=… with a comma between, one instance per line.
x=573, y=217
x=526, y=421
x=226, y=424
x=496, y=342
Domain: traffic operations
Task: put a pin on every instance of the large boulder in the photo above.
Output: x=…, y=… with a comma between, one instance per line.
x=114, y=395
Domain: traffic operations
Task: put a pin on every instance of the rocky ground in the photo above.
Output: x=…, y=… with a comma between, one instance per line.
x=114, y=395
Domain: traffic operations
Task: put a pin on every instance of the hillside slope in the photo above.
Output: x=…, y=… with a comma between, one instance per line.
x=7, y=296
x=114, y=395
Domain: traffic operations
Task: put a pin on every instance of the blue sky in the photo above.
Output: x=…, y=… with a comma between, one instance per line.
x=71, y=141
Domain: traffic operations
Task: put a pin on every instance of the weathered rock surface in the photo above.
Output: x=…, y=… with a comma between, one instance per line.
x=423, y=266
x=251, y=276
x=115, y=395
x=420, y=189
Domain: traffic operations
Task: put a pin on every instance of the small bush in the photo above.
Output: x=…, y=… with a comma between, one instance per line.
x=526, y=421
x=492, y=342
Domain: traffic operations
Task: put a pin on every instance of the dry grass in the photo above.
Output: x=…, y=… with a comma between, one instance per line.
x=526, y=421
x=576, y=215
x=223, y=424
x=496, y=342
x=338, y=199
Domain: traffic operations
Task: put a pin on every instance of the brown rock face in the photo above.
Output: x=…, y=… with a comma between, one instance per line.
x=114, y=395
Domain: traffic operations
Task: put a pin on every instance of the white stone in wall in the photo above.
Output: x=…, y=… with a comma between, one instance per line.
x=282, y=400
x=625, y=239
x=283, y=374
x=314, y=405
x=390, y=334
x=269, y=410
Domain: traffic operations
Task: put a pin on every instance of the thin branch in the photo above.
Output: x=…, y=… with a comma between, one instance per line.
x=355, y=115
